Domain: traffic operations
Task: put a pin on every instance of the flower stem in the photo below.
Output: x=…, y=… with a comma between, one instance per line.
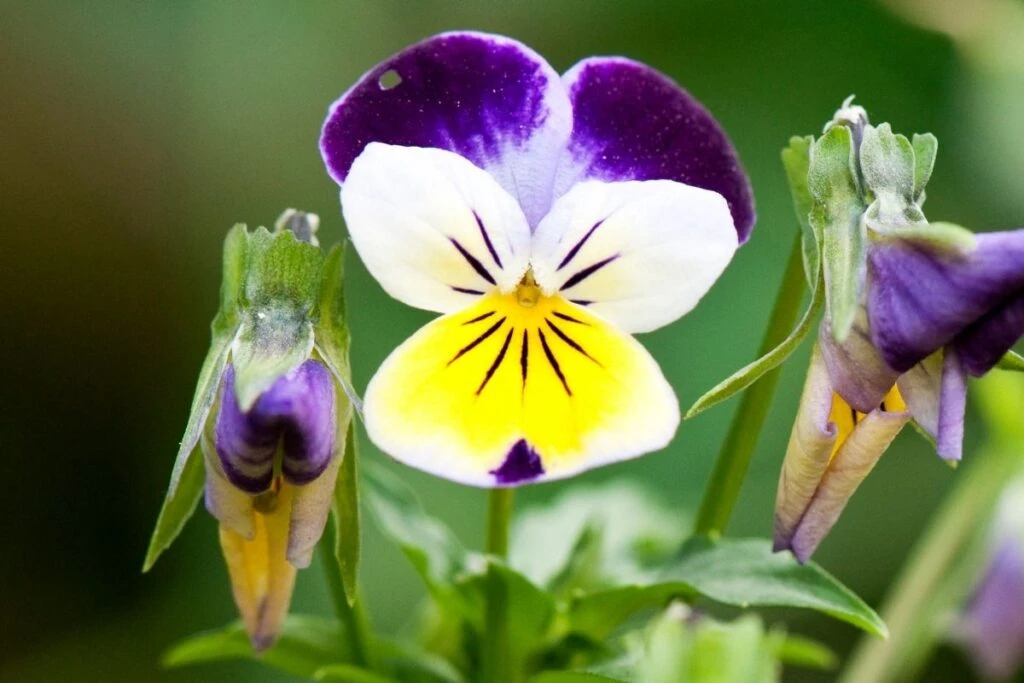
x=353, y=617
x=496, y=656
x=734, y=459
x=917, y=601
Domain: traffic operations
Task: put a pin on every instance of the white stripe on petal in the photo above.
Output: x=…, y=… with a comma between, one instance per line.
x=639, y=253
x=433, y=228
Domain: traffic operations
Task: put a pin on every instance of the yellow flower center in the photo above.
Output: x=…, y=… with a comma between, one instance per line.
x=528, y=293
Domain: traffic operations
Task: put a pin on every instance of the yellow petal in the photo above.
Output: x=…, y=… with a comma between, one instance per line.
x=521, y=387
x=261, y=576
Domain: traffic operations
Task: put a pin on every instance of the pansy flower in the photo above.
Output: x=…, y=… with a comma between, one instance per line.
x=547, y=218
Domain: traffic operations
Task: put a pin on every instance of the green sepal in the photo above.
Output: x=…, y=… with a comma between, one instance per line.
x=678, y=650
x=306, y=645
x=889, y=168
x=947, y=236
x=739, y=572
x=187, y=476
x=796, y=160
x=281, y=294
x=347, y=529
x=1012, y=361
x=331, y=334
x=925, y=147
x=836, y=216
x=749, y=374
x=804, y=652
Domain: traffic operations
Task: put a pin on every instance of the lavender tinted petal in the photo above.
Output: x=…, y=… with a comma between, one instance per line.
x=992, y=628
x=921, y=297
x=856, y=369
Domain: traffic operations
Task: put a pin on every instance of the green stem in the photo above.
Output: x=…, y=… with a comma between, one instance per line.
x=353, y=617
x=914, y=608
x=734, y=459
x=496, y=655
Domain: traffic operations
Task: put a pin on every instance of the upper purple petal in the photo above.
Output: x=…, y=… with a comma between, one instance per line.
x=630, y=122
x=487, y=98
x=920, y=297
x=297, y=412
x=982, y=344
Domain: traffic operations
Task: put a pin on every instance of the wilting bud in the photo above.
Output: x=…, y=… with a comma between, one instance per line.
x=831, y=450
x=270, y=417
x=991, y=628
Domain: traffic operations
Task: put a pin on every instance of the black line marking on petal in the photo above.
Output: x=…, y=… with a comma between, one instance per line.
x=553, y=362
x=472, y=261
x=464, y=290
x=524, y=356
x=471, y=345
x=477, y=319
x=570, y=341
x=566, y=316
x=588, y=271
x=580, y=302
x=487, y=240
x=496, y=363
x=579, y=245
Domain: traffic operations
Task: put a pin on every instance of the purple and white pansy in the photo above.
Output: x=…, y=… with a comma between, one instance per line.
x=564, y=211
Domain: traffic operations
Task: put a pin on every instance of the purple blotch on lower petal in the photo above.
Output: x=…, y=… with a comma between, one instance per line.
x=631, y=122
x=522, y=464
x=921, y=297
x=297, y=412
x=982, y=344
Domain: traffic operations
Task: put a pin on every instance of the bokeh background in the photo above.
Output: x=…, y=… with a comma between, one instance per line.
x=134, y=134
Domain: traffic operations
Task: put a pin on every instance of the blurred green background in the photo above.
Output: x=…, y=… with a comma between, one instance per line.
x=134, y=134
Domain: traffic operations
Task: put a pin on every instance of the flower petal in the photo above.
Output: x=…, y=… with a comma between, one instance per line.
x=261, y=577
x=310, y=508
x=855, y=367
x=487, y=98
x=982, y=344
x=432, y=228
x=631, y=122
x=504, y=394
x=921, y=297
x=936, y=394
x=639, y=253
x=297, y=412
x=810, y=448
x=850, y=465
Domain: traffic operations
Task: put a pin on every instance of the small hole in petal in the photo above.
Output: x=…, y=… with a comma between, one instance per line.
x=389, y=79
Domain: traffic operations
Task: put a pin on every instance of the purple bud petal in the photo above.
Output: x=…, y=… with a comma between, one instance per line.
x=982, y=344
x=856, y=369
x=297, y=412
x=935, y=391
x=992, y=629
x=922, y=297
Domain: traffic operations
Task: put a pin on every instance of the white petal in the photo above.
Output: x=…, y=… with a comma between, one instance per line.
x=639, y=253
x=412, y=214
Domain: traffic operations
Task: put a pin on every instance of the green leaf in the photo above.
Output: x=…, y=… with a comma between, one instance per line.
x=796, y=160
x=434, y=551
x=620, y=529
x=187, y=475
x=836, y=216
x=282, y=287
x=1011, y=361
x=574, y=677
x=925, y=147
x=346, y=673
x=306, y=645
x=331, y=332
x=749, y=374
x=742, y=573
x=347, y=534
x=746, y=572
x=806, y=653
x=409, y=661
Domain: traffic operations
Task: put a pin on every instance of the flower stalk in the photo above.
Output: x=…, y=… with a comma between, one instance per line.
x=496, y=656
x=733, y=460
x=353, y=616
